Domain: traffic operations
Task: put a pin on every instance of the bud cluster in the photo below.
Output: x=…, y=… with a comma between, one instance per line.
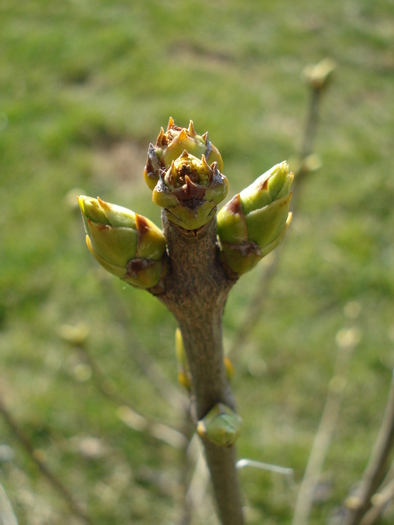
x=183, y=172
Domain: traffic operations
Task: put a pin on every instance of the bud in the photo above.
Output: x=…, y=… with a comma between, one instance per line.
x=126, y=244
x=190, y=190
x=183, y=171
x=319, y=75
x=254, y=222
x=221, y=426
x=171, y=144
x=184, y=377
x=229, y=367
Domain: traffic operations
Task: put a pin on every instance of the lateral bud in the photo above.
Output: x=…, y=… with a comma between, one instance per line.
x=255, y=221
x=126, y=244
x=221, y=426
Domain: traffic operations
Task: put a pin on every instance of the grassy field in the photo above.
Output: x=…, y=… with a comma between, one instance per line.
x=84, y=87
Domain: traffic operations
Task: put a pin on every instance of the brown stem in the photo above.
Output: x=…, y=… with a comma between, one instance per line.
x=54, y=481
x=143, y=424
x=196, y=289
x=311, y=123
x=323, y=437
x=148, y=365
x=379, y=503
x=377, y=465
x=257, y=302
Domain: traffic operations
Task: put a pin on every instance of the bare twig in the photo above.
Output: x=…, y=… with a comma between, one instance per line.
x=127, y=411
x=376, y=469
x=74, y=507
x=7, y=516
x=275, y=469
x=149, y=367
x=379, y=503
x=321, y=443
x=257, y=302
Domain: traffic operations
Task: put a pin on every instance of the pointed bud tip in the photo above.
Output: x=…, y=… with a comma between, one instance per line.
x=170, y=124
x=104, y=205
x=191, y=131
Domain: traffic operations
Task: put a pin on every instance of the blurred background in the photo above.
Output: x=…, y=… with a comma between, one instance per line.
x=85, y=85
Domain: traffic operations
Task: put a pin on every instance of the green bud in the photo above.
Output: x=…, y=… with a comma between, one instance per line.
x=171, y=144
x=126, y=244
x=189, y=190
x=184, y=377
x=318, y=76
x=229, y=367
x=254, y=222
x=221, y=426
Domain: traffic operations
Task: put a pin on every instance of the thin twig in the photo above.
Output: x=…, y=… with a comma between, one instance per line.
x=379, y=504
x=325, y=431
x=257, y=301
x=376, y=469
x=7, y=516
x=54, y=481
x=149, y=367
x=127, y=411
x=275, y=469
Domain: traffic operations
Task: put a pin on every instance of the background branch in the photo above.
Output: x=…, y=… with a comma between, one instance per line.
x=7, y=516
x=74, y=507
x=270, y=265
x=325, y=431
x=377, y=467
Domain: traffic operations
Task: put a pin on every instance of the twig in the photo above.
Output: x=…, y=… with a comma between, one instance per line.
x=73, y=505
x=379, y=503
x=7, y=516
x=276, y=469
x=257, y=301
x=150, y=368
x=376, y=469
x=187, y=461
x=325, y=431
x=128, y=413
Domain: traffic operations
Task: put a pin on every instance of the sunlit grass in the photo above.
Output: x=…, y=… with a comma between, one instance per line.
x=78, y=78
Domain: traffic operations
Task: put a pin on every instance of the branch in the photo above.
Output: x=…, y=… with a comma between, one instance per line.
x=196, y=289
x=325, y=431
x=150, y=368
x=376, y=469
x=54, y=481
x=257, y=301
x=7, y=516
x=379, y=502
x=127, y=411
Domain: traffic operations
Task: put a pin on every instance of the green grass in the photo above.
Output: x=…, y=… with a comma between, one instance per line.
x=80, y=78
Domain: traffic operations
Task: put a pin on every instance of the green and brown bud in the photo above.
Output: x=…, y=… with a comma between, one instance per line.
x=189, y=190
x=126, y=244
x=254, y=222
x=171, y=144
x=183, y=171
x=221, y=426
